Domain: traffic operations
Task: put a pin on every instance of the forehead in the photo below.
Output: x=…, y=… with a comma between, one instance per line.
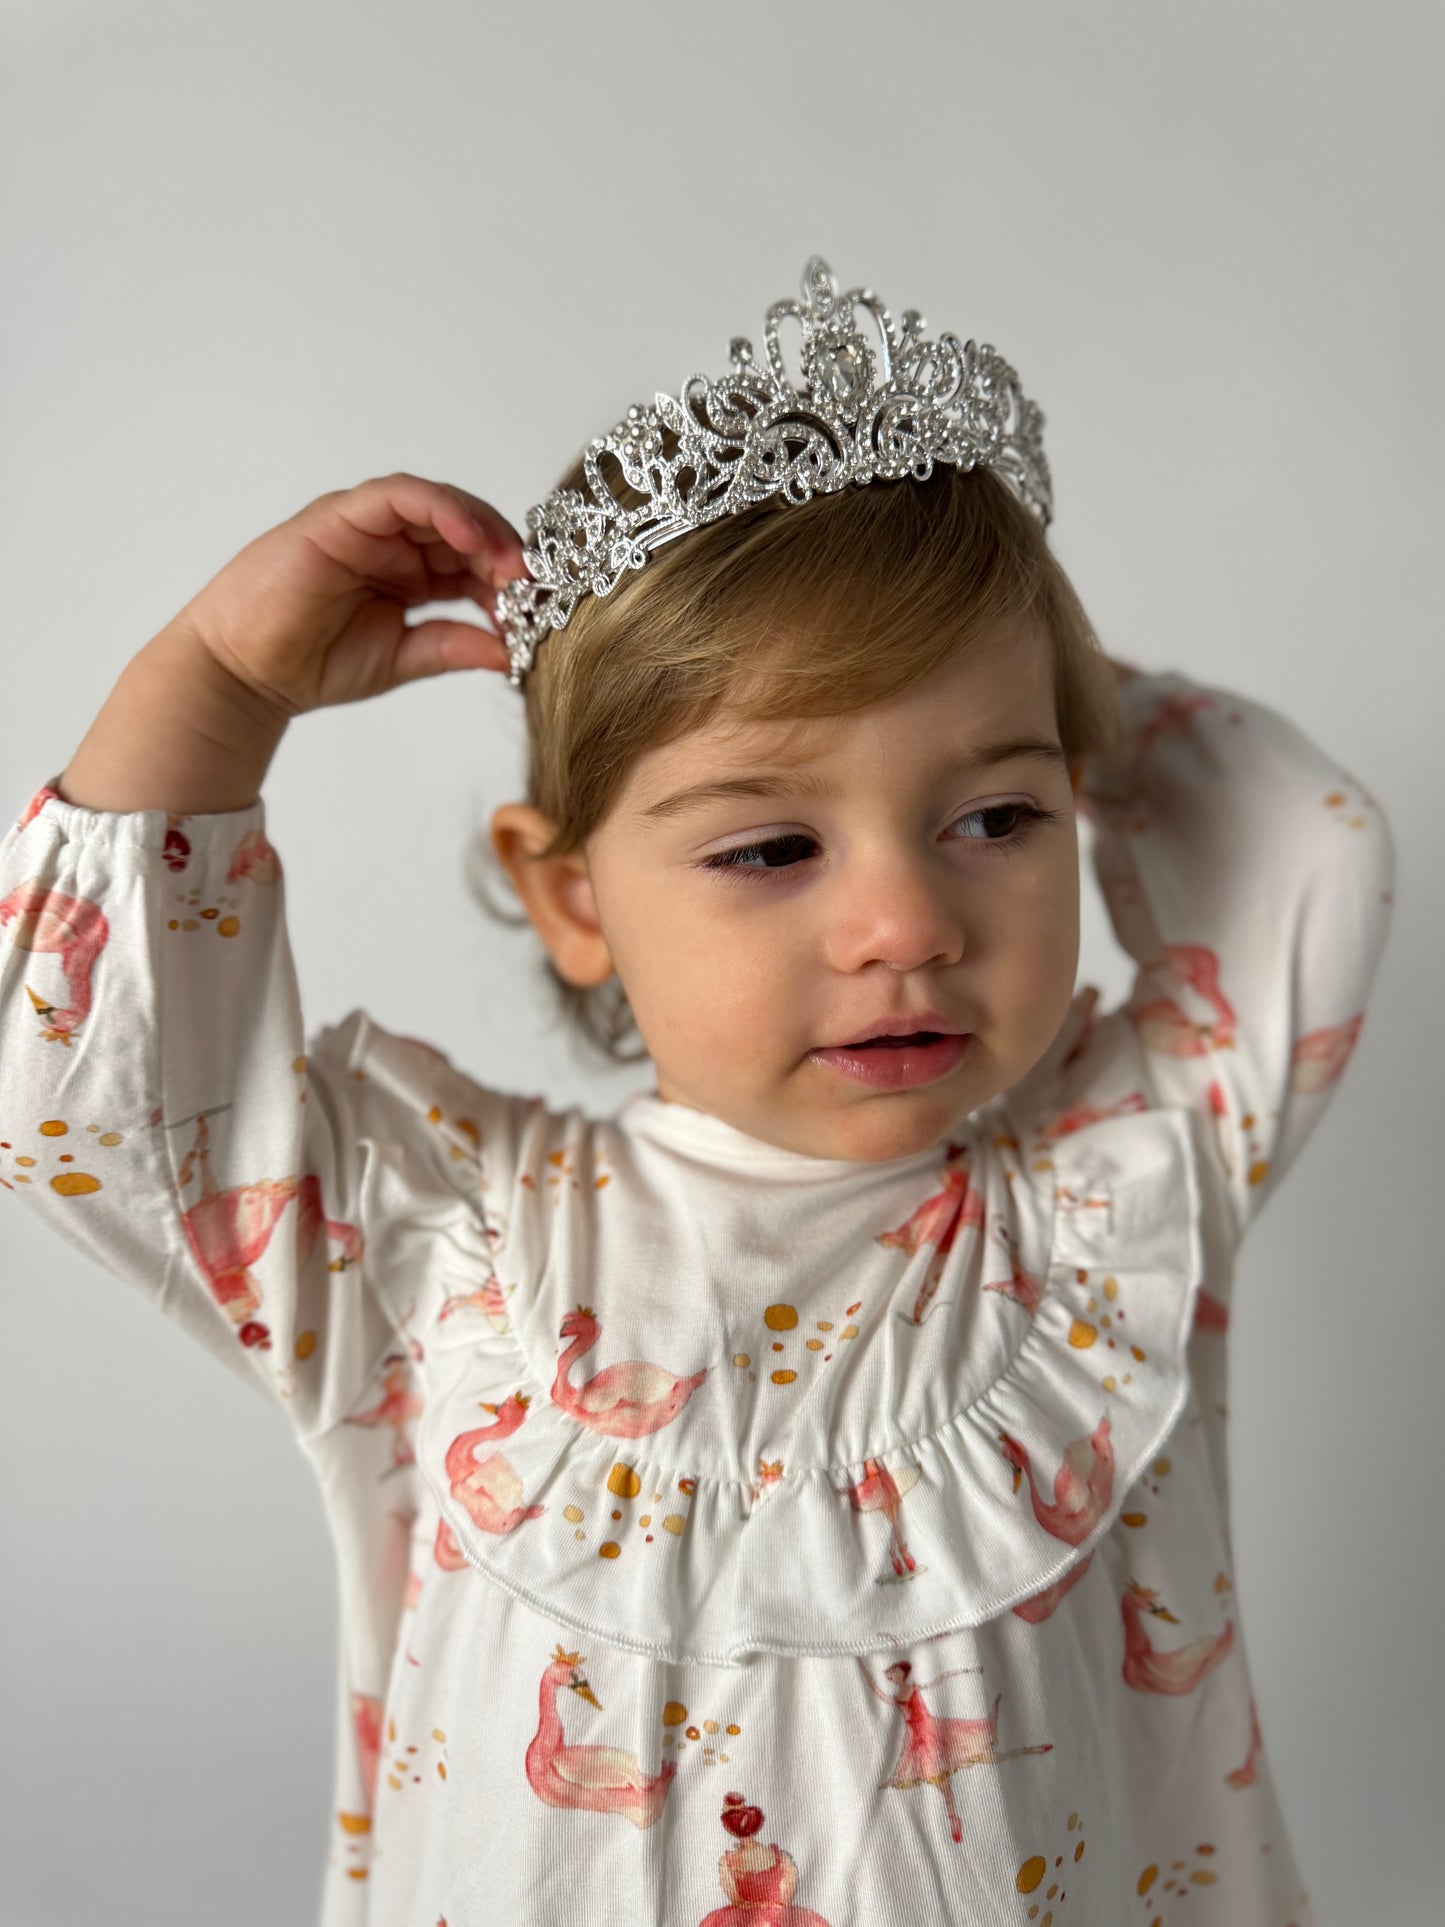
x=999, y=688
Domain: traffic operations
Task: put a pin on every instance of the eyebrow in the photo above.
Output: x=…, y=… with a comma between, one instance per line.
x=800, y=783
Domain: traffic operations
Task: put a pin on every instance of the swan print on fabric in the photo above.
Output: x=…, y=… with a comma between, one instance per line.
x=622, y=1401
x=640, y=1439
x=75, y=931
x=601, y=1779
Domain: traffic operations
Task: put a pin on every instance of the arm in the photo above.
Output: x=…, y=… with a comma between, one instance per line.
x=178, y=733
x=156, y=1102
x=1251, y=879
x=309, y=615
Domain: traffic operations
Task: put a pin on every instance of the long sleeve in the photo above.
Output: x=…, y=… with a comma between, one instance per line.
x=1251, y=879
x=156, y=1105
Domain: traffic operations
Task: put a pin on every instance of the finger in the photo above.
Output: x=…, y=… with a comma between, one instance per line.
x=438, y=647
x=390, y=505
x=492, y=519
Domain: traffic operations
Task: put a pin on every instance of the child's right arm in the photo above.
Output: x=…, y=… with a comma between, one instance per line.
x=310, y=614
x=157, y=1105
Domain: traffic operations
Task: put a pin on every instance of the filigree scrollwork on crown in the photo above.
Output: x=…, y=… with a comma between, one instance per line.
x=868, y=409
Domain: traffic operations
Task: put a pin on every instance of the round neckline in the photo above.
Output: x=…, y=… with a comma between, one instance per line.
x=694, y=1130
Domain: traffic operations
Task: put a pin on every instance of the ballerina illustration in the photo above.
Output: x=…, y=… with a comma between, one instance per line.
x=934, y=1749
x=1024, y=1287
x=71, y=928
x=399, y=1404
x=598, y=1779
x=623, y=1401
x=489, y=1298
x=759, y=1880
x=880, y=1490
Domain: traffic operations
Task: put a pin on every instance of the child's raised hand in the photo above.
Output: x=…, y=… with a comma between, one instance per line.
x=313, y=612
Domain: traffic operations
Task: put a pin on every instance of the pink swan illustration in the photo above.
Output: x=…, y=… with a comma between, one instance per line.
x=1211, y=1314
x=229, y=1231
x=366, y=1724
x=45, y=794
x=488, y=1488
x=489, y=1299
x=623, y=1401
x=1077, y=1117
x=934, y=1749
x=255, y=859
x=937, y=1221
x=1319, y=1058
x=597, y=1779
x=1157, y=1672
x=880, y=1490
x=72, y=928
x=400, y=1402
x=1043, y=1605
x=759, y=1881
x=1161, y=1022
x=311, y=1218
x=1083, y=1484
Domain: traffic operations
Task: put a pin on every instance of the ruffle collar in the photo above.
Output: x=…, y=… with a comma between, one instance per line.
x=994, y=1506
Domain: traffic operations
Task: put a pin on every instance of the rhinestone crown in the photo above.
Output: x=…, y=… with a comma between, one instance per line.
x=869, y=410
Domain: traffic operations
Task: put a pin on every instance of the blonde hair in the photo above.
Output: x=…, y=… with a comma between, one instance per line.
x=784, y=612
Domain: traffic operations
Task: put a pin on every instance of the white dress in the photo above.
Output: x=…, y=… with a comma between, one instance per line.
x=727, y=1535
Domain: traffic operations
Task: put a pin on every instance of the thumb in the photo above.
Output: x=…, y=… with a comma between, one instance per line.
x=437, y=647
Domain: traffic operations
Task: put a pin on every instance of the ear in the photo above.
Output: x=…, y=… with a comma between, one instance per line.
x=556, y=892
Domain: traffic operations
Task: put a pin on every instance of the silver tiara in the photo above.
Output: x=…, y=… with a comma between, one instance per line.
x=752, y=435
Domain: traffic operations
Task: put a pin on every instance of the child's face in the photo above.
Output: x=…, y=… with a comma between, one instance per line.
x=890, y=896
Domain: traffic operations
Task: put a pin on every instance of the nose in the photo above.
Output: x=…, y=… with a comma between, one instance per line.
x=895, y=908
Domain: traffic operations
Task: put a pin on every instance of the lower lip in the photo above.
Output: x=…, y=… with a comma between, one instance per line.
x=898, y=1067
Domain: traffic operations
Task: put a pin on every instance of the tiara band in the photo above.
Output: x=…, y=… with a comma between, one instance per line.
x=870, y=409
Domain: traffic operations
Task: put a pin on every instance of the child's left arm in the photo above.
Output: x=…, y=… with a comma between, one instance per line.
x=1251, y=879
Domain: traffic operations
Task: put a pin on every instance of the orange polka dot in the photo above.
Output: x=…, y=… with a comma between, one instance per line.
x=1030, y=1873
x=75, y=1184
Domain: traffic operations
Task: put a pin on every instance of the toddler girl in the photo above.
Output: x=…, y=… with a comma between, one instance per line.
x=800, y=1499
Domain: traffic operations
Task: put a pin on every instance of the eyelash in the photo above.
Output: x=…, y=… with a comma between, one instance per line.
x=735, y=862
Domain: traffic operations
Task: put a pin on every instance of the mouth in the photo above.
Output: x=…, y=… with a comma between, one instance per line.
x=893, y=1043
x=908, y=1028
x=897, y=1060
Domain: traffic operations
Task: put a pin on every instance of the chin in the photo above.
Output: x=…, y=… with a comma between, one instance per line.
x=890, y=1129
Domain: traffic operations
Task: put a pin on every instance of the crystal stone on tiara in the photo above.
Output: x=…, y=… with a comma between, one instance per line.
x=869, y=410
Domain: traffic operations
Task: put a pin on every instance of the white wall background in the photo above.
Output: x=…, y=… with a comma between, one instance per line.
x=256, y=251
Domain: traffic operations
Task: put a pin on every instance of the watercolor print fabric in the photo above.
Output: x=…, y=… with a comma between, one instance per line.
x=726, y=1535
